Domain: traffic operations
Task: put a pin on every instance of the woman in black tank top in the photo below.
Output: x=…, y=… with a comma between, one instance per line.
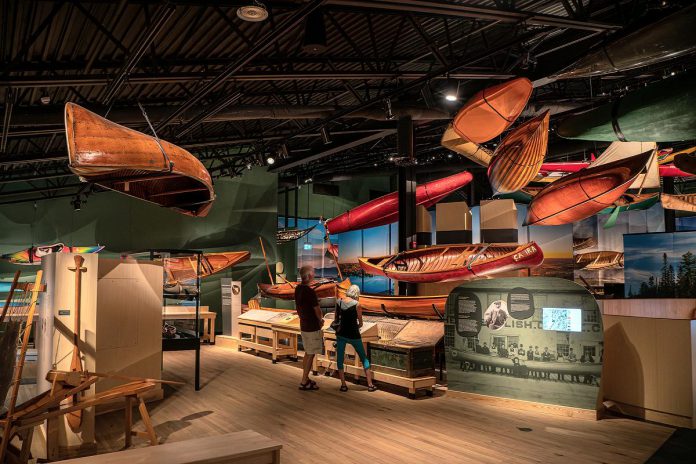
x=350, y=314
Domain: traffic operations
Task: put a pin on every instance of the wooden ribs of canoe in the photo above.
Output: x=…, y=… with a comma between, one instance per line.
x=385, y=209
x=454, y=262
x=185, y=268
x=586, y=192
x=580, y=243
x=135, y=164
x=518, y=158
x=679, y=202
x=324, y=288
x=418, y=307
x=289, y=235
x=492, y=110
x=599, y=260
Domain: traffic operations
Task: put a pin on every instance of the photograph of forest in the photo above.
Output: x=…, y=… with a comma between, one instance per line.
x=660, y=265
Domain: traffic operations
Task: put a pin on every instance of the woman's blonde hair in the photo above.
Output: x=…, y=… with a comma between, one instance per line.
x=353, y=292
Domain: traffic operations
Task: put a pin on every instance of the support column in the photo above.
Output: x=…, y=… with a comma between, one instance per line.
x=407, y=194
x=670, y=216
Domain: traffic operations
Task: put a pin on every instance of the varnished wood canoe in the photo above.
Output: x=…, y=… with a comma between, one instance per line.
x=473, y=151
x=184, y=269
x=454, y=262
x=598, y=260
x=580, y=243
x=420, y=307
x=666, y=39
x=33, y=255
x=492, y=110
x=385, y=209
x=518, y=158
x=135, y=164
x=586, y=192
x=665, y=170
x=324, y=288
x=685, y=202
x=661, y=112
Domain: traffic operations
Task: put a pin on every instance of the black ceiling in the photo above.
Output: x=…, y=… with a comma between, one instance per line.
x=234, y=92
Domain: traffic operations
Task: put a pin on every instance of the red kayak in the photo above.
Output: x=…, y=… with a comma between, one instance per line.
x=492, y=110
x=385, y=210
x=586, y=192
x=666, y=170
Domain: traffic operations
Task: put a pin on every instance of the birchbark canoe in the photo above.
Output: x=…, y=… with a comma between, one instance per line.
x=33, y=255
x=324, y=288
x=473, y=151
x=184, y=269
x=135, y=164
x=419, y=307
x=666, y=39
x=289, y=235
x=385, y=209
x=685, y=202
x=585, y=193
x=518, y=158
x=492, y=110
x=598, y=260
x=662, y=112
x=454, y=262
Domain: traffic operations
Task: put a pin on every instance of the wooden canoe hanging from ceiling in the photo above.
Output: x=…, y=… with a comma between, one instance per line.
x=385, y=209
x=685, y=202
x=184, y=269
x=454, y=262
x=492, y=110
x=518, y=158
x=135, y=164
x=473, y=151
x=663, y=40
x=586, y=192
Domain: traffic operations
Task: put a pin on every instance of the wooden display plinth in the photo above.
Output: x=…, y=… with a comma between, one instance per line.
x=650, y=360
x=256, y=332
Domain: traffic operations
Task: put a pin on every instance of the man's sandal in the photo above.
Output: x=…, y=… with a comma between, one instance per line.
x=310, y=385
x=344, y=388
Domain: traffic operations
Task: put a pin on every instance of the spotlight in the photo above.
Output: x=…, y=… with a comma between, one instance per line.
x=325, y=136
x=256, y=12
x=308, y=180
x=249, y=166
x=45, y=100
x=76, y=203
x=388, y=113
x=452, y=90
x=449, y=155
x=270, y=160
x=672, y=73
x=315, y=33
x=391, y=158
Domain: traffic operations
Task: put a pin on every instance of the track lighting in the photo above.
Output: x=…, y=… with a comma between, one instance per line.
x=314, y=41
x=388, y=113
x=256, y=12
x=452, y=90
x=325, y=136
x=76, y=203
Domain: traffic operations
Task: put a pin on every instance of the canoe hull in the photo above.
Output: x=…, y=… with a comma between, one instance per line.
x=477, y=261
x=135, y=164
x=286, y=291
x=492, y=110
x=385, y=210
x=183, y=269
x=473, y=151
x=679, y=202
x=418, y=307
x=518, y=158
x=33, y=255
x=585, y=193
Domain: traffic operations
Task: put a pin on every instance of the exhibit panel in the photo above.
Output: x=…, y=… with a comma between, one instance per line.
x=535, y=339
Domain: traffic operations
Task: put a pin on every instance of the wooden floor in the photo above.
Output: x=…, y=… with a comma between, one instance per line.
x=242, y=391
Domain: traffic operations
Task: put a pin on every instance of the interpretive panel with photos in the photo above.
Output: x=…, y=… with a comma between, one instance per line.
x=528, y=338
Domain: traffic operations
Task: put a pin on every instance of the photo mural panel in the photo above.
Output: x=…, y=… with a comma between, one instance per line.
x=598, y=251
x=527, y=338
x=660, y=265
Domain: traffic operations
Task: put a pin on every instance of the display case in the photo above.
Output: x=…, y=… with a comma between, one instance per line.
x=269, y=332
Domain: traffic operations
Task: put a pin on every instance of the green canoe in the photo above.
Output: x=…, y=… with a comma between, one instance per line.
x=662, y=112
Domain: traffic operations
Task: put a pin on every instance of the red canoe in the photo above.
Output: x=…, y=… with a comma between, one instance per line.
x=586, y=192
x=518, y=158
x=488, y=113
x=385, y=210
x=454, y=262
x=666, y=170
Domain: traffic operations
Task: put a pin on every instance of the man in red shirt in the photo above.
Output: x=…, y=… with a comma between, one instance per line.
x=311, y=322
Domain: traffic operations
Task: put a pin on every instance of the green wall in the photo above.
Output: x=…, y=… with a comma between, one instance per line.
x=245, y=208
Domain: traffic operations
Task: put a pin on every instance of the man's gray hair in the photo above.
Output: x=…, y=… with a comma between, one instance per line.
x=353, y=292
x=305, y=271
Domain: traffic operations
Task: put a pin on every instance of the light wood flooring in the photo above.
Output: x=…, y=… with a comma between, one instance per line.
x=241, y=391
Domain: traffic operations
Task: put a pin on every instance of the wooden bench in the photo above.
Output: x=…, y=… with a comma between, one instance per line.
x=238, y=448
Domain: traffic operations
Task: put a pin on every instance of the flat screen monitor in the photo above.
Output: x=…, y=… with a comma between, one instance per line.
x=562, y=319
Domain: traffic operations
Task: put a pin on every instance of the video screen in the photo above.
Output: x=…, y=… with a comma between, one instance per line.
x=562, y=319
